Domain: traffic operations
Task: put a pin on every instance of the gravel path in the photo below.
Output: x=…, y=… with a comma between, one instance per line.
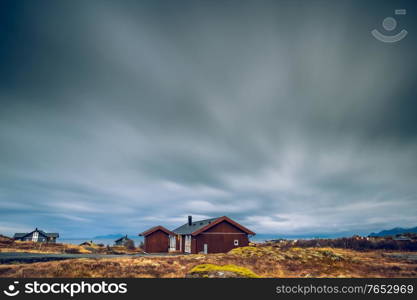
x=22, y=257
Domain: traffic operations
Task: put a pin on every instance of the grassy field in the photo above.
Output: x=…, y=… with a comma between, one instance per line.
x=259, y=261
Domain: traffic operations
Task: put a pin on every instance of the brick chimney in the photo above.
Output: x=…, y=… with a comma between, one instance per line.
x=190, y=220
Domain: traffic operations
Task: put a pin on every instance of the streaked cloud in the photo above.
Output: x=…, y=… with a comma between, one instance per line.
x=287, y=116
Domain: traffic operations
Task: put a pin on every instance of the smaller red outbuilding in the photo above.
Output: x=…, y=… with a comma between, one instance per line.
x=156, y=239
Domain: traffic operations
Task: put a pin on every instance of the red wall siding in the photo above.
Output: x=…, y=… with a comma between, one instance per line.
x=157, y=242
x=220, y=238
x=193, y=245
x=183, y=243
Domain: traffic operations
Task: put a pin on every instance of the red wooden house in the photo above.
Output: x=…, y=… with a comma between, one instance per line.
x=206, y=236
x=156, y=239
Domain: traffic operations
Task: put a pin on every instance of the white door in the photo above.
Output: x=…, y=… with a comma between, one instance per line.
x=172, y=243
x=187, y=244
x=205, y=249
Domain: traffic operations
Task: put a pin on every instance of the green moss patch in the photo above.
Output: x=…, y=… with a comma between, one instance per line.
x=219, y=271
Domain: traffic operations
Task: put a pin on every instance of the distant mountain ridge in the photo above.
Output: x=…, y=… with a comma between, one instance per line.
x=394, y=231
x=110, y=236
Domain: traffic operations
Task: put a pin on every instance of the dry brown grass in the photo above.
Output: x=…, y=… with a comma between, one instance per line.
x=263, y=261
x=10, y=245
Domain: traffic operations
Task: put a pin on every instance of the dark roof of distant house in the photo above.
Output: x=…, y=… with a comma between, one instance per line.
x=188, y=229
x=88, y=243
x=156, y=228
x=23, y=234
x=122, y=238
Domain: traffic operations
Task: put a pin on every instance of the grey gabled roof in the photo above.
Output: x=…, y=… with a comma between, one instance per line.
x=51, y=234
x=188, y=229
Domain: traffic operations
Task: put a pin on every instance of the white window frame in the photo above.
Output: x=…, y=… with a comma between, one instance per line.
x=236, y=242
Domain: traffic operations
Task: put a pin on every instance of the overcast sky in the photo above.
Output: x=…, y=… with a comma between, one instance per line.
x=287, y=116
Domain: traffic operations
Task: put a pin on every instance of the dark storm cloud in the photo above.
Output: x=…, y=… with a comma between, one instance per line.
x=288, y=116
